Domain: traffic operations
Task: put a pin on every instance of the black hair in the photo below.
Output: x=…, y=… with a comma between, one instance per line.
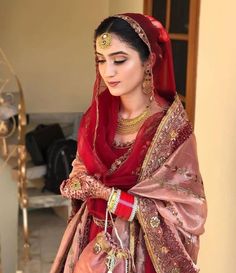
x=126, y=33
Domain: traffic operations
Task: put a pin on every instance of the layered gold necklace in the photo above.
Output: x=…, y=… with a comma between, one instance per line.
x=131, y=126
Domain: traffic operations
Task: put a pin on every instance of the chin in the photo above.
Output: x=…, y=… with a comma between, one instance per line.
x=115, y=93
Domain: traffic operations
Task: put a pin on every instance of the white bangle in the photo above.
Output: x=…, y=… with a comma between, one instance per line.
x=134, y=209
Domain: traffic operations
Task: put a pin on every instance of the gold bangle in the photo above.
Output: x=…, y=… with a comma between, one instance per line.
x=112, y=200
x=116, y=199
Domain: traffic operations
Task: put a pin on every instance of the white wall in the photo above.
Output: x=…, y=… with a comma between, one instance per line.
x=50, y=44
x=122, y=6
x=216, y=132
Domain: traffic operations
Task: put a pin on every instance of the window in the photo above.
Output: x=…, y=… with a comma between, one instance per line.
x=180, y=18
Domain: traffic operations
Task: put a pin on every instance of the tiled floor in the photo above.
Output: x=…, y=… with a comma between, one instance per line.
x=46, y=230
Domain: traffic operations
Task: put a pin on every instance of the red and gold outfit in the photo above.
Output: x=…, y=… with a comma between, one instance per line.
x=159, y=170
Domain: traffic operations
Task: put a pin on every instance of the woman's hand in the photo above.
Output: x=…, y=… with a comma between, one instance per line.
x=83, y=186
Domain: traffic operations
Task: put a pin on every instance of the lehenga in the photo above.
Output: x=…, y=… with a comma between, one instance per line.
x=160, y=167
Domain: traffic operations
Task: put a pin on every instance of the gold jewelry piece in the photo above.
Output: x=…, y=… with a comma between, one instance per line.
x=76, y=185
x=147, y=83
x=113, y=200
x=104, y=40
x=130, y=126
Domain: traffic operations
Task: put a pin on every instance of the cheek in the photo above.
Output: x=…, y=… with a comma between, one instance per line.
x=100, y=70
x=134, y=71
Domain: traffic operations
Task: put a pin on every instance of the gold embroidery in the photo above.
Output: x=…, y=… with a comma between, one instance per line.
x=137, y=28
x=132, y=238
x=175, y=270
x=119, y=161
x=164, y=250
x=97, y=248
x=161, y=146
x=171, y=208
x=173, y=135
x=185, y=172
x=154, y=221
x=162, y=245
x=164, y=183
x=146, y=238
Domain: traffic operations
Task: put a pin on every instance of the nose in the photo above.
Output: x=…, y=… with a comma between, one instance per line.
x=109, y=70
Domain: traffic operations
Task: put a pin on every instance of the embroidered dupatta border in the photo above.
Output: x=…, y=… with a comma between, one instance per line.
x=173, y=130
x=166, y=253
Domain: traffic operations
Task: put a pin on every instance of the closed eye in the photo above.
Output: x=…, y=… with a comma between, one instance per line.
x=119, y=62
x=100, y=61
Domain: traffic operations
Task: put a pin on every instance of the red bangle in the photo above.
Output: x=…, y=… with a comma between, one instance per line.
x=125, y=205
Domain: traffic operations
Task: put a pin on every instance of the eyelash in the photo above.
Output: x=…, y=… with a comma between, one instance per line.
x=115, y=62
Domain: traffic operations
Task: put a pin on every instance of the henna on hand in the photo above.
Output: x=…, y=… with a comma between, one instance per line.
x=83, y=186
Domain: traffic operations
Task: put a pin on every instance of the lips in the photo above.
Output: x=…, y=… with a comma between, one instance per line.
x=113, y=84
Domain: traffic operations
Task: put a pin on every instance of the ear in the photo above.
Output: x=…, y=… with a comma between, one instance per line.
x=151, y=60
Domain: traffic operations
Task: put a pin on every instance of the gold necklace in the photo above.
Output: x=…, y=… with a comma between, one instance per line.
x=130, y=126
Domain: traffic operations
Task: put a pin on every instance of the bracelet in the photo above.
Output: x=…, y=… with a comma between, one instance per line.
x=125, y=205
x=113, y=200
x=134, y=210
x=110, y=196
x=122, y=204
x=116, y=201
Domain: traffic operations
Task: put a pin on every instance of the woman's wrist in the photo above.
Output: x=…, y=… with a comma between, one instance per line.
x=107, y=193
x=123, y=204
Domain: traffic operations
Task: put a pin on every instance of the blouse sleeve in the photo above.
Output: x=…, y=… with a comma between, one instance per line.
x=77, y=167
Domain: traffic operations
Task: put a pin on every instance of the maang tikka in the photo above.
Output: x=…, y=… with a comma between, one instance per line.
x=104, y=40
x=147, y=82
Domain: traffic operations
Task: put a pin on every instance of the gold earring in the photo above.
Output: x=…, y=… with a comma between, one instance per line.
x=147, y=82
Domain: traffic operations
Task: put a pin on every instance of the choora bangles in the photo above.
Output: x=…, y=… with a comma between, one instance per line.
x=122, y=204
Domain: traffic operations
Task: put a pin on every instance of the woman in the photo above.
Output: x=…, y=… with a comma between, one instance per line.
x=136, y=155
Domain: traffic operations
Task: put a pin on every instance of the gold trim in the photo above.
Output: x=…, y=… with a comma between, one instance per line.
x=143, y=36
x=96, y=126
x=147, y=242
x=171, y=109
x=132, y=240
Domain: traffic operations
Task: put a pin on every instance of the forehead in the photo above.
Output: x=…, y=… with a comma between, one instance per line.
x=117, y=44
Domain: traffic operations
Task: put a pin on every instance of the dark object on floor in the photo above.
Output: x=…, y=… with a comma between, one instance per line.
x=59, y=158
x=38, y=141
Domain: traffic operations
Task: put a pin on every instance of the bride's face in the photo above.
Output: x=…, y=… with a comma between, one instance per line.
x=120, y=67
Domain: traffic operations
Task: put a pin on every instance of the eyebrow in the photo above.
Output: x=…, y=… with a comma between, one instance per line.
x=113, y=53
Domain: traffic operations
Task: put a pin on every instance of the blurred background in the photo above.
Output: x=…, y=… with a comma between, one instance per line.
x=50, y=46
